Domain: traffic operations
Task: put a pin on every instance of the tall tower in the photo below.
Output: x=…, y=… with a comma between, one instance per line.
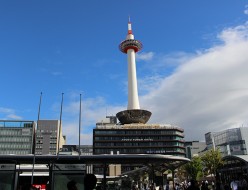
x=133, y=114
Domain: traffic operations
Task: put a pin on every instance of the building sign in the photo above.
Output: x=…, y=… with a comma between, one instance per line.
x=59, y=167
x=156, y=152
x=137, y=139
x=7, y=167
x=236, y=148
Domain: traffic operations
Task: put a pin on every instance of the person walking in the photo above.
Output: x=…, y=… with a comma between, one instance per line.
x=89, y=182
x=234, y=185
x=71, y=185
x=193, y=185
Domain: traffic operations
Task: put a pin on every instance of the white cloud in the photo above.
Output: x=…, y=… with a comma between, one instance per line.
x=93, y=110
x=13, y=116
x=144, y=56
x=234, y=35
x=209, y=92
x=164, y=63
x=246, y=10
x=8, y=113
x=173, y=59
x=5, y=110
x=149, y=83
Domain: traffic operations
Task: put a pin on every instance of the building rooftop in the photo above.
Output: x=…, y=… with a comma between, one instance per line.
x=136, y=126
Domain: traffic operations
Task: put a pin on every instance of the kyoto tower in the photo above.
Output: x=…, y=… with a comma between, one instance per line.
x=133, y=114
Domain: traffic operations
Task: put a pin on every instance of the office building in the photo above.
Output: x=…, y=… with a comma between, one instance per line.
x=16, y=137
x=136, y=138
x=194, y=148
x=230, y=142
x=49, y=138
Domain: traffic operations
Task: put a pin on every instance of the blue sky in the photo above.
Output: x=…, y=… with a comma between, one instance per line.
x=192, y=71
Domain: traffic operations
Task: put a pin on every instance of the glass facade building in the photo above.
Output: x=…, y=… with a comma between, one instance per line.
x=230, y=142
x=16, y=137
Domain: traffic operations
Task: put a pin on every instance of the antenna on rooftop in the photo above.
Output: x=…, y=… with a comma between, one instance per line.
x=79, y=128
x=32, y=177
x=60, y=123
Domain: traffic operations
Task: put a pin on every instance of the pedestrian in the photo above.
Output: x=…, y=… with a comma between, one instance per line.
x=167, y=186
x=71, y=185
x=234, y=184
x=89, y=182
x=193, y=185
x=219, y=185
x=204, y=186
x=243, y=183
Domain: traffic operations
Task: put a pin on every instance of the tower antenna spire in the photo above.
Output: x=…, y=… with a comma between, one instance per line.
x=129, y=25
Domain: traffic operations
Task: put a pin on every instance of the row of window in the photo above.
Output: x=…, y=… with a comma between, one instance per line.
x=40, y=152
x=20, y=152
x=15, y=139
x=10, y=132
x=15, y=146
x=49, y=131
x=15, y=133
x=16, y=124
x=169, y=150
x=152, y=138
x=50, y=147
x=41, y=136
x=24, y=132
x=41, y=142
x=126, y=144
x=141, y=151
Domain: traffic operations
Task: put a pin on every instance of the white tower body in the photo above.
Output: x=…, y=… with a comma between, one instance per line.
x=133, y=97
x=133, y=114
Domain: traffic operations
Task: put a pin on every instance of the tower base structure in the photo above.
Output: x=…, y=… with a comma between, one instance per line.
x=133, y=116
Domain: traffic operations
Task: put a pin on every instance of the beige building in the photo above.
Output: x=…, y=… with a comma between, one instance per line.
x=16, y=137
x=49, y=138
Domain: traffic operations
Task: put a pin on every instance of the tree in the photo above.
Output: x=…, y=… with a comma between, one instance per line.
x=194, y=168
x=181, y=173
x=212, y=160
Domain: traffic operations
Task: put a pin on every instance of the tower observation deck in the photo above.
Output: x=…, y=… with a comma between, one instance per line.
x=133, y=114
